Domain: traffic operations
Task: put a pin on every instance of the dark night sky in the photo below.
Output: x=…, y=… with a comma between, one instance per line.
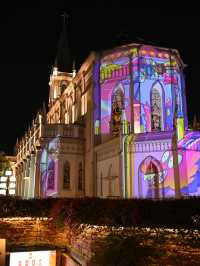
x=29, y=38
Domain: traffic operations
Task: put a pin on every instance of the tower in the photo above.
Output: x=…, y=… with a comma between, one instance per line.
x=62, y=69
x=145, y=84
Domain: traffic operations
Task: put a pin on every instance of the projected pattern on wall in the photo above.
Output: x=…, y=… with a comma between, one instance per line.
x=49, y=168
x=154, y=172
x=114, y=83
x=153, y=75
x=144, y=85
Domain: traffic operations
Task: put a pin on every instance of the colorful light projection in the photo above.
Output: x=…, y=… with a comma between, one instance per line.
x=150, y=80
x=127, y=162
x=117, y=108
x=161, y=89
x=49, y=168
x=190, y=179
x=114, y=91
x=154, y=174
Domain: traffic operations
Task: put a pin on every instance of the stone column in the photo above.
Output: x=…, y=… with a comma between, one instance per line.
x=32, y=176
x=59, y=174
x=37, y=192
x=19, y=180
x=176, y=166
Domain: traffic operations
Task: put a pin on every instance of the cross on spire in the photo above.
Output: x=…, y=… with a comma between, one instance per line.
x=65, y=17
x=63, y=57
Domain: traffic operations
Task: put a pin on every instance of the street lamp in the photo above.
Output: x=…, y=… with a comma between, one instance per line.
x=8, y=174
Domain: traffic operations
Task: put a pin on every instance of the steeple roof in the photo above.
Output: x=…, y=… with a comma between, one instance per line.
x=63, y=58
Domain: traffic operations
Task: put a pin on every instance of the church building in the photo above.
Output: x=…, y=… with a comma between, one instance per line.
x=117, y=128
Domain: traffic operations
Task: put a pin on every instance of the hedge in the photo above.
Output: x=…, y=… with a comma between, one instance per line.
x=171, y=213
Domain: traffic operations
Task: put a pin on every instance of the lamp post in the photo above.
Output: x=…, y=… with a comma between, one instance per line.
x=8, y=174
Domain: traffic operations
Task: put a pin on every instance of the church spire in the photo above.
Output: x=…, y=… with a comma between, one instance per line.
x=63, y=60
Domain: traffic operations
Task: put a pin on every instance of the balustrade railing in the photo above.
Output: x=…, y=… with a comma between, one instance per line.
x=63, y=130
x=47, y=131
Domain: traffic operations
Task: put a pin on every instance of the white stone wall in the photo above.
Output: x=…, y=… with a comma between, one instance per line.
x=108, y=169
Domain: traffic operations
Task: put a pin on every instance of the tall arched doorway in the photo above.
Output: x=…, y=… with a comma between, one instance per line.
x=150, y=178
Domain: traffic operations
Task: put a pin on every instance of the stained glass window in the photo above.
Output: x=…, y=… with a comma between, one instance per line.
x=63, y=86
x=117, y=107
x=51, y=171
x=156, y=110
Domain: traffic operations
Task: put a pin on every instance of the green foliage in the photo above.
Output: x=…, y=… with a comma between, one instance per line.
x=16, y=207
x=182, y=213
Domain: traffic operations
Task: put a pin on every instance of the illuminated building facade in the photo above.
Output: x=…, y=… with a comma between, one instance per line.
x=141, y=99
x=116, y=128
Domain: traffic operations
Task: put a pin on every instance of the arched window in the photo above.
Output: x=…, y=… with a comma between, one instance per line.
x=66, y=177
x=117, y=107
x=156, y=108
x=80, y=177
x=50, y=175
x=150, y=178
x=63, y=86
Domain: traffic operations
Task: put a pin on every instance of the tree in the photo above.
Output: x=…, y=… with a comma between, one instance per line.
x=4, y=163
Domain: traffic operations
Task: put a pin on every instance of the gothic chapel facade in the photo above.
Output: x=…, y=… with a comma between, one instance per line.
x=116, y=128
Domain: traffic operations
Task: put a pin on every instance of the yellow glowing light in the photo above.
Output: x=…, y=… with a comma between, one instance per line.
x=8, y=172
x=180, y=128
x=73, y=113
x=137, y=127
x=12, y=178
x=2, y=185
x=84, y=104
x=129, y=158
x=21, y=219
x=55, y=71
x=2, y=192
x=11, y=191
x=2, y=251
x=12, y=185
x=3, y=178
x=97, y=127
